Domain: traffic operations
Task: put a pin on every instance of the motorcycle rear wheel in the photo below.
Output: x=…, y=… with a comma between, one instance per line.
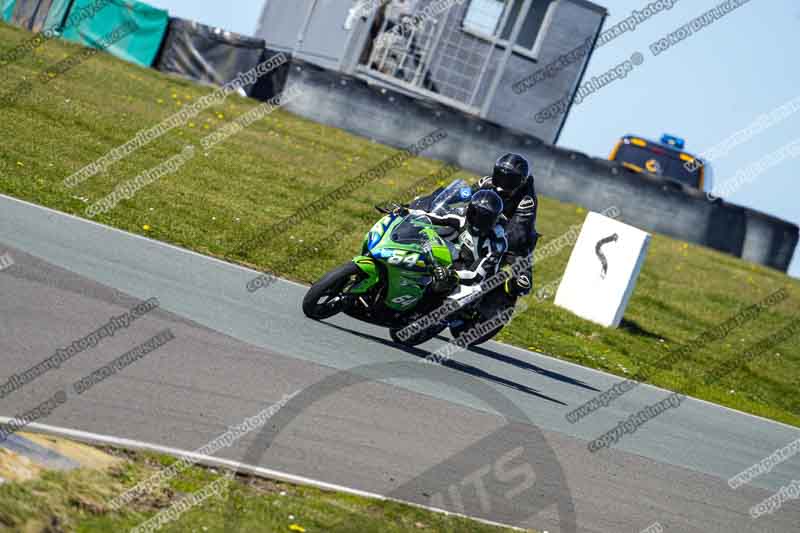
x=330, y=288
x=493, y=305
x=458, y=331
x=419, y=337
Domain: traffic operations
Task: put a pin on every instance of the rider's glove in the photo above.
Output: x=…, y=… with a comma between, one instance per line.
x=439, y=275
x=442, y=279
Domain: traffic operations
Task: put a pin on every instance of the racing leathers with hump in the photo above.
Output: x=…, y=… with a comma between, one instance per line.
x=512, y=180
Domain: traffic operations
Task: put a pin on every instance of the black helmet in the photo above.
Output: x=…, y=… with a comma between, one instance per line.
x=509, y=173
x=483, y=211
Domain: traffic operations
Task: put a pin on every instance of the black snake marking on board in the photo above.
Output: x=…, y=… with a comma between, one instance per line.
x=601, y=256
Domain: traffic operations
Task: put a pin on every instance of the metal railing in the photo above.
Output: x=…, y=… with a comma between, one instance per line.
x=434, y=58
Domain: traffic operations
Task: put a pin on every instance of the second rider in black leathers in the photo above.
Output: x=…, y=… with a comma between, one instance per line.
x=512, y=180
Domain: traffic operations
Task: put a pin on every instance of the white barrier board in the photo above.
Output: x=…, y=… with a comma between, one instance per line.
x=602, y=270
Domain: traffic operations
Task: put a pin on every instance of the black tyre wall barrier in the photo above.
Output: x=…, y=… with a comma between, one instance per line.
x=273, y=83
x=207, y=54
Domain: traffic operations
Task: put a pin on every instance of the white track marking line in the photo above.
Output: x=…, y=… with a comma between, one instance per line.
x=207, y=460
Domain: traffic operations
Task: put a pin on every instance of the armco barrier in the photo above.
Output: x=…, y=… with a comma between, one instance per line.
x=206, y=54
x=646, y=201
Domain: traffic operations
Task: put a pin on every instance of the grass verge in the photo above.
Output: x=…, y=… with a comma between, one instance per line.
x=217, y=202
x=78, y=500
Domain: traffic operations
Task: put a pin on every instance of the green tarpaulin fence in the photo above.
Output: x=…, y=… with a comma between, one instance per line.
x=140, y=47
x=8, y=9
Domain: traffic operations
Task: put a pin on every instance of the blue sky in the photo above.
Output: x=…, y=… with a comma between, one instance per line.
x=704, y=89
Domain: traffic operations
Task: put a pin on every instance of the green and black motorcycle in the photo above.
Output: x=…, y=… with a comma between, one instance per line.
x=388, y=284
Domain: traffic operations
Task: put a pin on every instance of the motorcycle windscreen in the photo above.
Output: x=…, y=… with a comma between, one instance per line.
x=458, y=192
x=410, y=230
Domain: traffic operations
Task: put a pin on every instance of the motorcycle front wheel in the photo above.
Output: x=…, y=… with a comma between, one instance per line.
x=326, y=297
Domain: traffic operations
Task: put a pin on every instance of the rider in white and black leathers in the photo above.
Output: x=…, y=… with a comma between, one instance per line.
x=480, y=239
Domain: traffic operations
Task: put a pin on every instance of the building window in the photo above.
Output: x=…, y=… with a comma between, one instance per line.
x=531, y=26
x=484, y=18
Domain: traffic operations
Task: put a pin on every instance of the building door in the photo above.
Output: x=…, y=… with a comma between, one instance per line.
x=312, y=30
x=325, y=36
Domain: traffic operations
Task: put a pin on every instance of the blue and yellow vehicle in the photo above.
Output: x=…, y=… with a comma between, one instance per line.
x=666, y=158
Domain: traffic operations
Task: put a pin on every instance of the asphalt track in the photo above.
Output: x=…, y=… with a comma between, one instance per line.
x=413, y=436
